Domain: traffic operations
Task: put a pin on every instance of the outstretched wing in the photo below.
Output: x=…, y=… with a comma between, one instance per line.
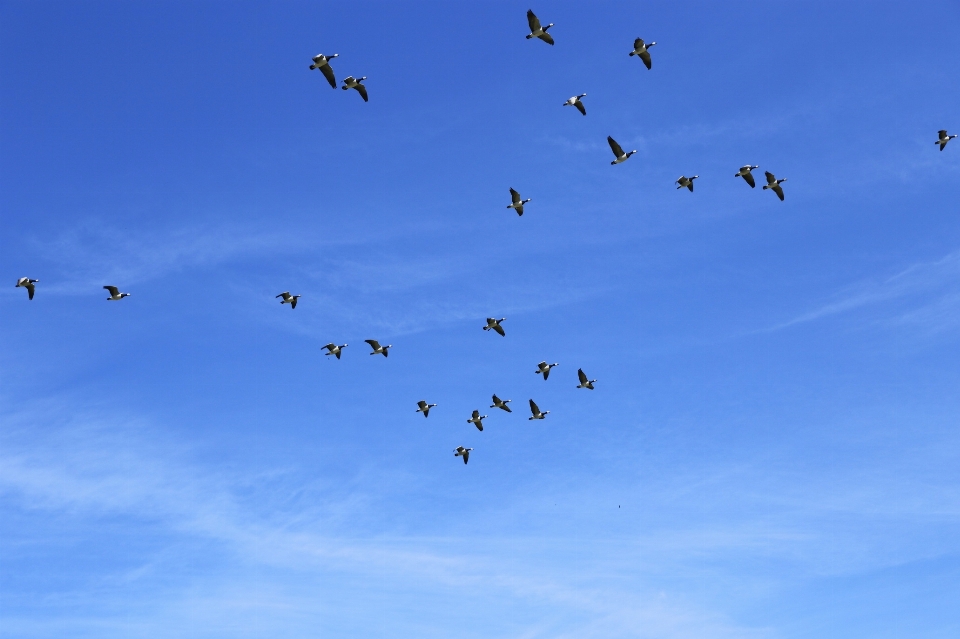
x=293, y=303
x=749, y=178
x=637, y=43
x=113, y=290
x=778, y=190
x=499, y=329
x=645, y=56
x=328, y=74
x=374, y=344
x=475, y=414
x=582, y=109
x=30, y=289
x=514, y=196
x=466, y=456
x=534, y=408
x=422, y=404
x=285, y=295
x=546, y=37
x=580, y=374
x=546, y=373
x=331, y=347
x=363, y=92
x=942, y=133
x=533, y=21
x=617, y=151
x=771, y=178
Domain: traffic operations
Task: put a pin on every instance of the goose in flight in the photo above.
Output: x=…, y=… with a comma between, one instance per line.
x=684, y=181
x=536, y=31
x=115, y=294
x=642, y=50
x=517, y=203
x=544, y=369
x=618, y=152
x=584, y=382
x=333, y=349
x=424, y=408
x=351, y=82
x=477, y=419
x=501, y=403
x=944, y=138
x=377, y=349
x=575, y=101
x=494, y=325
x=27, y=283
x=745, y=173
x=322, y=62
x=774, y=184
x=537, y=413
x=460, y=451
x=289, y=299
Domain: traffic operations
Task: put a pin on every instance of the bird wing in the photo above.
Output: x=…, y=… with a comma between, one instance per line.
x=285, y=295
x=30, y=289
x=475, y=414
x=113, y=290
x=422, y=404
x=293, y=303
x=942, y=133
x=533, y=21
x=328, y=74
x=580, y=374
x=617, y=151
x=499, y=329
x=690, y=185
x=331, y=347
x=374, y=344
x=546, y=37
x=363, y=91
x=534, y=408
x=514, y=196
x=645, y=56
x=749, y=178
x=506, y=408
x=637, y=43
x=582, y=109
x=778, y=190
x=466, y=456
x=546, y=373
x=771, y=178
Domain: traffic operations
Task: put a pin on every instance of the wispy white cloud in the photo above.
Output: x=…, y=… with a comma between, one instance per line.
x=931, y=288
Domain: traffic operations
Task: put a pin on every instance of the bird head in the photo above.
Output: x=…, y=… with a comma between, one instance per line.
x=548, y=26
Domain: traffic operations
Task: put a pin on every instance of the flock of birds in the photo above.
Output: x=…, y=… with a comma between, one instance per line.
x=641, y=49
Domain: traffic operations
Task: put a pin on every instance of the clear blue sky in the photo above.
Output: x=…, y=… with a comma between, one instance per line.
x=773, y=447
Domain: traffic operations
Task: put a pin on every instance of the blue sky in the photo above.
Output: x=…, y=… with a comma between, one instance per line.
x=772, y=448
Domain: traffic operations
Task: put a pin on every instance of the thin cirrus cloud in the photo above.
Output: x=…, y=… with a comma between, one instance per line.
x=915, y=285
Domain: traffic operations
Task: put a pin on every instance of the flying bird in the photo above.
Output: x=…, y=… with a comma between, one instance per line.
x=322, y=62
x=377, y=349
x=684, y=181
x=618, y=152
x=774, y=184
x=460, y=451
x=544, y=369
x=536, y=31
x=333, y=349
x=745, y=173
x=351, y=82
x=944, y=138
x=115, y=294
x=641, y=50
x=27, y=283
x=537, y=413
x=477, y=419
x=501, y=403
x=517, y=203
x=424, y=408
x=575, y=101
x=494, y=325
x=584, y=382
x=289, y=299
